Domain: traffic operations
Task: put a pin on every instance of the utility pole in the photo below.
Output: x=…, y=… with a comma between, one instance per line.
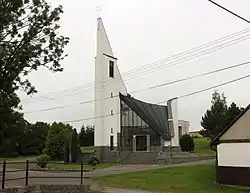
x=170, y=124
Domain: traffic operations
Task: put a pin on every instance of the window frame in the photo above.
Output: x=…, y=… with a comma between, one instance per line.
x=111, y=143
x=111, y=69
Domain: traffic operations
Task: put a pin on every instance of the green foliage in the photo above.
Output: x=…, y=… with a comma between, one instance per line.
x=94, y=159
x=233, y=112
x=74, y=146
x=187, y=143
x=11, y=133
x=8, y=148
x=66, y=152
x=33, y=141
x=86, y=136
x=218, y=116
x=29, y=39
x=42, y=160
x=55, y=141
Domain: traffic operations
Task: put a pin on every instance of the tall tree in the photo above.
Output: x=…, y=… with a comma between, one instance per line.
x=82, y=135
x=233, y=112
x=57, y=136
x=66, y=152
x=29, y=39
x=74, y=146
x=11, y=134
x=86, y=136
x=215, y=118
x=218, y=116
x=33, y=140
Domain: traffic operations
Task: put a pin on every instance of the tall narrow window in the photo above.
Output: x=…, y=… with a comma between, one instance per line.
x=111, y=130
x=111, y=69
x=111, y=94
x=111, y=142
x=111, y=112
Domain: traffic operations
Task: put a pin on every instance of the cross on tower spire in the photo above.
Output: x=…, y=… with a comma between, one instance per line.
x=98, y=10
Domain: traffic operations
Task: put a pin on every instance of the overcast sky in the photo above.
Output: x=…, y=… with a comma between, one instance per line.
x=142, y=32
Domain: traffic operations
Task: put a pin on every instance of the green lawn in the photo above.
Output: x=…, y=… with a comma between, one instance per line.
x=202, y=147
x=188, y=179
x=78, y=166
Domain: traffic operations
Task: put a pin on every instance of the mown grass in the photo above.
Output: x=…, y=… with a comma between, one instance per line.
x=186, y=179
x=202, y=147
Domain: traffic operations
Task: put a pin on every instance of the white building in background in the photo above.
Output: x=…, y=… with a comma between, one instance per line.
x=125, y=124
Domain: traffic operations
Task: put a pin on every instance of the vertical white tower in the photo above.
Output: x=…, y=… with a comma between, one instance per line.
x=108, y=84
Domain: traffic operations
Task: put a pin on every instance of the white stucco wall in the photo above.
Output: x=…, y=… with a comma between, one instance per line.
x=175, y=139
x=185, y=126
x=234, y=154
x=104, y=86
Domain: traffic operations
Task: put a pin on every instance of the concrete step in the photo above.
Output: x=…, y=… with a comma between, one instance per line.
x=140, y=158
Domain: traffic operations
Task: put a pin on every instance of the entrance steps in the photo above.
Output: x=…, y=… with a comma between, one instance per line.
x=140, y=158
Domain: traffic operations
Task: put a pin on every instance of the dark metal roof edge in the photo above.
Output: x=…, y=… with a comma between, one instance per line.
x=155, y=125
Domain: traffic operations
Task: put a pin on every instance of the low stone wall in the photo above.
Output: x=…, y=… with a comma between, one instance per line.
x=58, y=170
x=48, y=189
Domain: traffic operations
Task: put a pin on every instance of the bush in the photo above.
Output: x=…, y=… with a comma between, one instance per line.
x=93, y=159
x=187, y=143
x=42, y=160
x=55, y=140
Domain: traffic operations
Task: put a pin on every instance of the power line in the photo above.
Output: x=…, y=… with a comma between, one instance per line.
x=187, y=59
x=151, y=87
x=216, y=86
x=180, y=97
x=89, y=88
x=229, y=11
x=199, y=75
x=166, y=59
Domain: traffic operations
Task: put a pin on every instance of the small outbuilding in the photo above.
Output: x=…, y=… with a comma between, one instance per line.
x=232, y=148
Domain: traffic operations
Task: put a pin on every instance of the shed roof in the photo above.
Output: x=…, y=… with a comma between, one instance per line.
x=156, y=116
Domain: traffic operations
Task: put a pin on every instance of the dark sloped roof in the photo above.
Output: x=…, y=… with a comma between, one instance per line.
x=156, y=116
x=215, y=141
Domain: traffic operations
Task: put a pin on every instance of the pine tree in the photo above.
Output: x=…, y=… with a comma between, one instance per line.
x=66, y=152
x=218, y=116
x=74, y=146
